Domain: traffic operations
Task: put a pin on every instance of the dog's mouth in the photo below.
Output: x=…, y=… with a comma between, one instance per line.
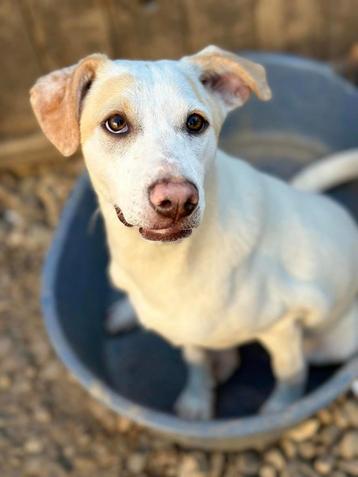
x=168, y=234
x=121, y=217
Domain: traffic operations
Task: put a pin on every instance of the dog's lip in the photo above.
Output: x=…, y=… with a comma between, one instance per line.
x=121, y=217
x=170, y=234
x=156, y=234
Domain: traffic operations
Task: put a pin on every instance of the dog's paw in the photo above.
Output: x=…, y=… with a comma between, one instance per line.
x=121, y=317
x=194, y=406
x=283, y=396
x=224, y=364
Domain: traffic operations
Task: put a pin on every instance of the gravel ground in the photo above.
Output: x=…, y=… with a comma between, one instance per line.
x=50, y=427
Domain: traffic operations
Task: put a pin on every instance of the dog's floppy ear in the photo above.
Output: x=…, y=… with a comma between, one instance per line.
x=230, y=77
x=56, y=99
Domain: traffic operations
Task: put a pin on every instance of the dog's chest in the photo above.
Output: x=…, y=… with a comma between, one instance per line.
x=213, y=307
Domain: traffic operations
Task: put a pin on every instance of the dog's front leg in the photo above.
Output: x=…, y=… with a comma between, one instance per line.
x=196, y=401
x=284, y=343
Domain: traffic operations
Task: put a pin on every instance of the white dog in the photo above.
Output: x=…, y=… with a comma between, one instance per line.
x=211, y=252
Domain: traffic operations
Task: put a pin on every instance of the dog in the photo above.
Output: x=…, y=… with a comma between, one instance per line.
x=211, y=252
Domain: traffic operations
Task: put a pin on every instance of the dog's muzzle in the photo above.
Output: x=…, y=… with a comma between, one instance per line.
x=173, y=202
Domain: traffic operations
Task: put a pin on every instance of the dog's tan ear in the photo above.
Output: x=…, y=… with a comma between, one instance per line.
x=231, y=77
x=56, y=99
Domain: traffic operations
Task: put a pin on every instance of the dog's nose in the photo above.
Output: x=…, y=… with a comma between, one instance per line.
x=174, y=199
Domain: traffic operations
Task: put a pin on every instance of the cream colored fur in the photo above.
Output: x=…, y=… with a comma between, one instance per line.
x=265, y=261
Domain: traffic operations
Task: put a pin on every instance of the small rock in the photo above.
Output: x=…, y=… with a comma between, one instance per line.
x=231, y=471
x=69, y=452
x=306, y=450
x=298, y=469
x=328, y=435
x=325, y=416
x=83, y=464
x=103, y=415
x=83, y=439
x=13, y=218
x=305, y=430
x=305, y=470
x=324, y=465
x=33, y=467
x=248, y=463
x=275, y=458
x=193, y=465
x=136, y=462
x=5, y=382
x=103, y=456
x=33, y=446
x=267, y=471
x=289, y=448
x=123, y=424
x=15, y=461
x=321, y=450
x=349, y=466
x=167, y=459
x=159, y=443
x=338, y=473
x=348, y=446
x=6, y=346
x=30, y=372
x=217, y=463
x=52, y=371
x=41, y=350
x=351, y=410
x=42, y=415
x=340, y=418
x=21, y=386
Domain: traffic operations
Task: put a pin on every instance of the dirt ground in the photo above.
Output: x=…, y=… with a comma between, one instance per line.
x=50, y=427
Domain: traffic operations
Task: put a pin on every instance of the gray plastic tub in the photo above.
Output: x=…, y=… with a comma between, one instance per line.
x=137, y=374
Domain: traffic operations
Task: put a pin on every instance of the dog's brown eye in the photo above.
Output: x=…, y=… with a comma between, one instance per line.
x=116, y=124
x=195, y=123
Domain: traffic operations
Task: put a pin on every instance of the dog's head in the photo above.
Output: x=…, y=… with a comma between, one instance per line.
x=149, y=130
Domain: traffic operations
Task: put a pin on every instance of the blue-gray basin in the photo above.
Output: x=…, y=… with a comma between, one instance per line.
x=137, y=374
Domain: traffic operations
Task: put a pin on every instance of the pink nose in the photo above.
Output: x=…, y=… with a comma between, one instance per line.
x=173, y=198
